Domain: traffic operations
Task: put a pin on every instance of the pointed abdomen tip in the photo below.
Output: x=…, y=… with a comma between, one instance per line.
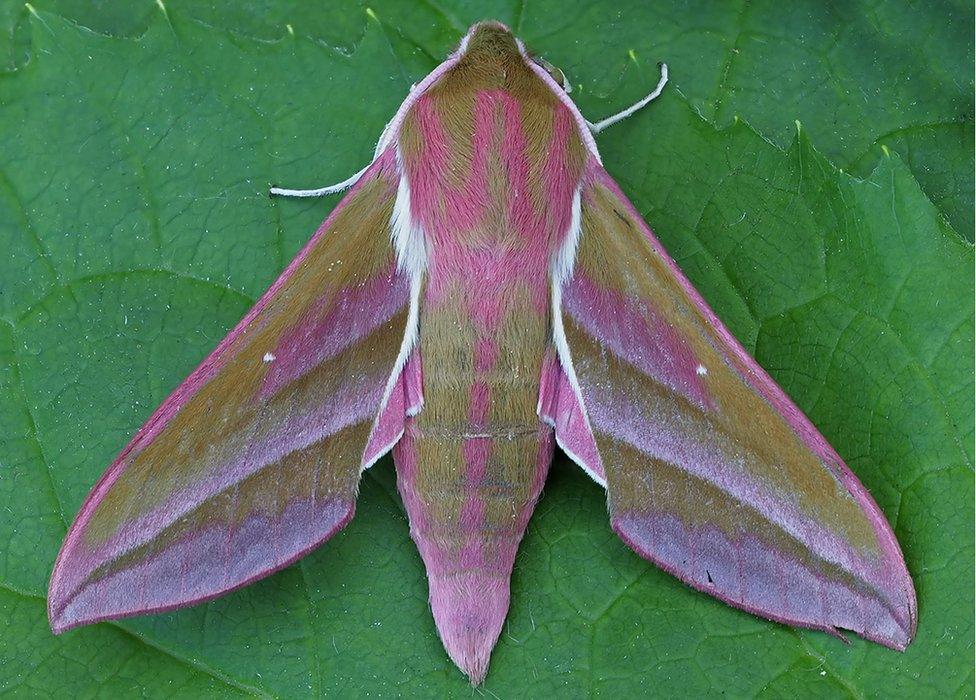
x=469, y=610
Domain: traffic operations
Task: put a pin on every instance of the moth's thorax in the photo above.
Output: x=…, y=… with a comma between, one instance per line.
x=492, y=157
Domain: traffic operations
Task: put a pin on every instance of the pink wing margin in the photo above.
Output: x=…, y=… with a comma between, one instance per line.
x=712, y=472
x=255, y=458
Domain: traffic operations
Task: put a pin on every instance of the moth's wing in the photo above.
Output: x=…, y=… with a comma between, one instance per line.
x=255, y=458
x=712, y=472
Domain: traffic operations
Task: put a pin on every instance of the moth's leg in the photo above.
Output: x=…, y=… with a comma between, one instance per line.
x=597, y=127
x=330, y=189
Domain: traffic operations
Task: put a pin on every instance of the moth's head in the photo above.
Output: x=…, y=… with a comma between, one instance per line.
x=489, y=57
x=491, y=42
x=489, y=38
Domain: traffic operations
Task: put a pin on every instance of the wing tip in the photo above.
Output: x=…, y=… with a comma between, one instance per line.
x=55, y=620
x=58, y=597
x=61, y=623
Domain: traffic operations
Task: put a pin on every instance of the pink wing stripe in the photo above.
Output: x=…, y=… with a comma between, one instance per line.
x=625, y=323
x=320, y=337
x=763, y=383
x=562, y=407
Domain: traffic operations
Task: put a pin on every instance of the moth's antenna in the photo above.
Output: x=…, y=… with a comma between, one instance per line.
x=330, y=189
x=599, y=126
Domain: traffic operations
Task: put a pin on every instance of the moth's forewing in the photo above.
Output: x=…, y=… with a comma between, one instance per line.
x=256, y=457
x=712, y=472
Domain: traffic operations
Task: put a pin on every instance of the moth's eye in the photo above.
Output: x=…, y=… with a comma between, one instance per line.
x=555, y=74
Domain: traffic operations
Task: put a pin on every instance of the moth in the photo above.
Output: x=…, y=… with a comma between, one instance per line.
x=482, y=293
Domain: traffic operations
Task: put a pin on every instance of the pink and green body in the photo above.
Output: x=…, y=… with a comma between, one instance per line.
x=493, y=167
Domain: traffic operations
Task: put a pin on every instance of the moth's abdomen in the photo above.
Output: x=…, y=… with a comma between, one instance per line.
x=470, y=468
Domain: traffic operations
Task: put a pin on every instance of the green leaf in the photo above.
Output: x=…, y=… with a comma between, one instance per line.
x=137, y=231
